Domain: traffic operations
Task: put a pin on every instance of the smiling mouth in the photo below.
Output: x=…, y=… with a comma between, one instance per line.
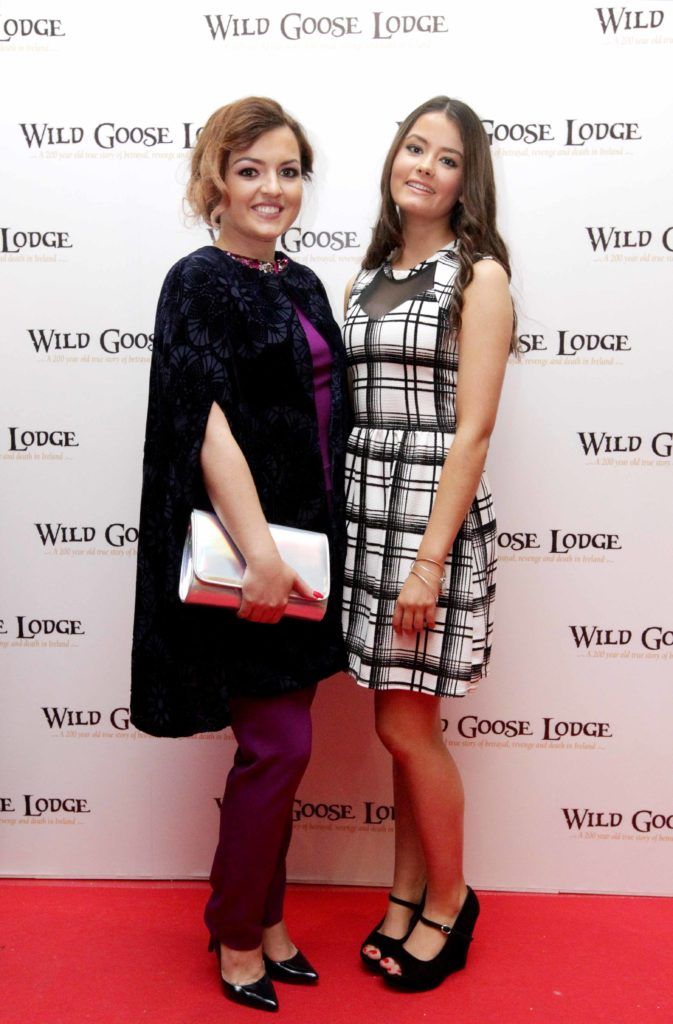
x=267, y=210
x=418, y=187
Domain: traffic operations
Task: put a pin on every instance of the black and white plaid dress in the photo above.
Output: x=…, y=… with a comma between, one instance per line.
x=403, y=364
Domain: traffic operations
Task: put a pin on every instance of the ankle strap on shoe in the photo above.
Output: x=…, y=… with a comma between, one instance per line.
x=445, y=929
x=403, y=903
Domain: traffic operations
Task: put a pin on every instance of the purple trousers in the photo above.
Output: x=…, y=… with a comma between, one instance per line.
x=248, y=873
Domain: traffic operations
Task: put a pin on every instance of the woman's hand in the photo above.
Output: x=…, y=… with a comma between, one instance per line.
x=416, y=606
x=266, y=589
x=268, y=581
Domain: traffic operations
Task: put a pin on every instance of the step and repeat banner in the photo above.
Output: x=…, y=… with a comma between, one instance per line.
x=565, y=748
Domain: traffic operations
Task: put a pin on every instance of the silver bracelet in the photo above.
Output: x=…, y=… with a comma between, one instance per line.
x=414, y=572
x=442, y=578
x=439, y=564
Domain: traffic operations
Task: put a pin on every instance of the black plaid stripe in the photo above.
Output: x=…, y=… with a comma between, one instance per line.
x=404, y=368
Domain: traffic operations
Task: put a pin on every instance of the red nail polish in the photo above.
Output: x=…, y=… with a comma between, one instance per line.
x=316, y=593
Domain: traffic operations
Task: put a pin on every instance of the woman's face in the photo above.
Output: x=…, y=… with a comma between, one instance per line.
x=426, y=179
x=264, y=190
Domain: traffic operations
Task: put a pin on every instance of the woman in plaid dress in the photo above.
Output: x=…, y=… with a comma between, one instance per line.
x=429, y=326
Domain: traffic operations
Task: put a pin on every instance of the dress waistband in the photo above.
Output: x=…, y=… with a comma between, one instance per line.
x=399, y=429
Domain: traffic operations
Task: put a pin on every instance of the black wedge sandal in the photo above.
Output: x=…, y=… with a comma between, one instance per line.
x=420, y=975
x=386, y=945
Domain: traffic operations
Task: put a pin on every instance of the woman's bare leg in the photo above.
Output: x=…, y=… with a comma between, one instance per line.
x=409, y=725
x=409, y=873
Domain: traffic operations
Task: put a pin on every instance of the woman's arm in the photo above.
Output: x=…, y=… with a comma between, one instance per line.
x=267, y=580
x=484, y=346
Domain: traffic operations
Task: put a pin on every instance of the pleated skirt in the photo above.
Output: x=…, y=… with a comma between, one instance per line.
x=391, y=481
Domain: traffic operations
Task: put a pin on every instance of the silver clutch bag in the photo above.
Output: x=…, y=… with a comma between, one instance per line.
x=212, y=566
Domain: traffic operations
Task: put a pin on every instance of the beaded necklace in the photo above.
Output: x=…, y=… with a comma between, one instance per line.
x=266, y=266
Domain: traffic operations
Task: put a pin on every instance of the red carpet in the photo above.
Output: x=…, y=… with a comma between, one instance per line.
x=135, y=953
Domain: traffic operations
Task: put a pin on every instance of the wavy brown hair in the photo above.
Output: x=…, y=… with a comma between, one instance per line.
x=235, y=126
x=472, y=219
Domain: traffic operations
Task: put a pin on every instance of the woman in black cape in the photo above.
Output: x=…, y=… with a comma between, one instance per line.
x=247, y=417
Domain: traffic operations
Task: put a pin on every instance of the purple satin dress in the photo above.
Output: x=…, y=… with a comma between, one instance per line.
x=322, y=375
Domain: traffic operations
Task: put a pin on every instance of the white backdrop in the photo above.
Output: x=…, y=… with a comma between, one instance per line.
x=565, y=748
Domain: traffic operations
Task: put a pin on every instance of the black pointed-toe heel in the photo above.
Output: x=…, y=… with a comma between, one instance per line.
x=421, y=975
x=386, y=945
x=260, y=994
x=297, y=970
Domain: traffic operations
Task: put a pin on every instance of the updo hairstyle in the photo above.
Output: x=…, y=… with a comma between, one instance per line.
x=235, y=126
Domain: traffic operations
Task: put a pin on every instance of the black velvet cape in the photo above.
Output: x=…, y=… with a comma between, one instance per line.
x=229, y=334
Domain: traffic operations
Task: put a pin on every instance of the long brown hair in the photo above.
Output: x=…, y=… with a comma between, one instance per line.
x=231, y=127
x=472, y=219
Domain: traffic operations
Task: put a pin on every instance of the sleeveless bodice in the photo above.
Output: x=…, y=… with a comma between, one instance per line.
x=402, y=357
